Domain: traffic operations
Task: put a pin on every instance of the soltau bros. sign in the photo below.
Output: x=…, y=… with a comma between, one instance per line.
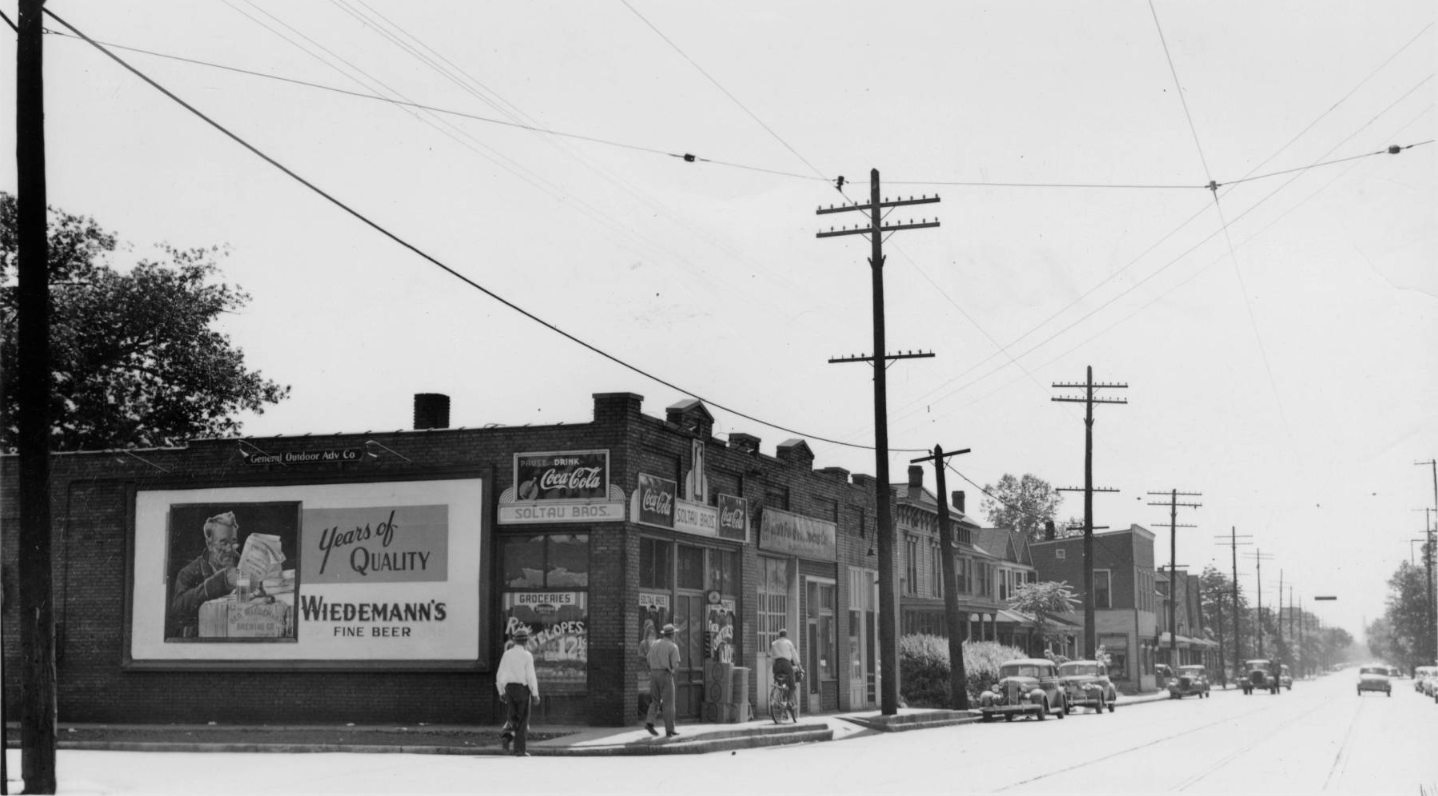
x=656, y=502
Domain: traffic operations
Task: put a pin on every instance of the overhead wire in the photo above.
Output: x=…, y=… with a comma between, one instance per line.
x=1249, y=176
x=605, y=220
x=382, y=230
x=461, y=77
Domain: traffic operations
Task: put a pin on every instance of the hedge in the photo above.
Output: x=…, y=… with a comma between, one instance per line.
x=924, y=668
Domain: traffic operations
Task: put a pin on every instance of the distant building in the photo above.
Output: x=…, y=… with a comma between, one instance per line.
x=1124, y=597
x=1193, y=644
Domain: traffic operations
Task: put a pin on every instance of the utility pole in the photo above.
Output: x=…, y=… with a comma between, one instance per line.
x=1258, y=558
x=1090, y=639
x=1173, y=527
x=1428, y=531
x=875, y=230
x=36, y=593
x=1233, y=543
x=958, y=678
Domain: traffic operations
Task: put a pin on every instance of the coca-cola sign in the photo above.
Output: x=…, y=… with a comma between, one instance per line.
x=566, y=475
x=655, y=498
x=733, y=518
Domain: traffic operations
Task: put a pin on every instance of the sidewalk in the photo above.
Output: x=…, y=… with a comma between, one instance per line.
x=553, y=741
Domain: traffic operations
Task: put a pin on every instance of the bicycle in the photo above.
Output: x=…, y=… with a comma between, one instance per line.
x=782, y=699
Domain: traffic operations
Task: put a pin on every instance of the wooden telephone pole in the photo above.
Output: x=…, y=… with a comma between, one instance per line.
x=37, y=616
x=1173, y=527
x=1090, y=638
x=1233, y=544
x=1257, y=557
x=876, y=229
x=958, y=678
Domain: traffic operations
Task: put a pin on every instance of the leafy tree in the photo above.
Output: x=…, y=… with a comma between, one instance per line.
x=1402, y=636
x=1045, y=599
x=134, y=359
x=1022, y=503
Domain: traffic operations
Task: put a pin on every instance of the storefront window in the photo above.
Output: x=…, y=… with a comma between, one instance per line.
x=656, y=564
x=546, y=579
x=1117, y=648
x=691, y=567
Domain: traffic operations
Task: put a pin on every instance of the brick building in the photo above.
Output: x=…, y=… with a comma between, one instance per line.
x=1125, y=598
x=1191, y=640
x=389, y=569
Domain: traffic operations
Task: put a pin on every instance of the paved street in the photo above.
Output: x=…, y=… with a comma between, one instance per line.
x=1319, y=738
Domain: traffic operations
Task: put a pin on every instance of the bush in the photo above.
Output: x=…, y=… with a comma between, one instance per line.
x=924, y=668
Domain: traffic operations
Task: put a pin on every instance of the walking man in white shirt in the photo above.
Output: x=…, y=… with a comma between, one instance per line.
x=517, y=685
x=663, y=658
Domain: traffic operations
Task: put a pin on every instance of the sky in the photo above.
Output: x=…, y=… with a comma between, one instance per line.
x=1277, y=334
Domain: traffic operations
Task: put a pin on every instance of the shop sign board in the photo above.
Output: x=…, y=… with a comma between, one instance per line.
x=561, y=486
x=733, y=518
x=353, y=575
x=330, y=456
x=796, y=535
x=654, y=501
x=696, y=519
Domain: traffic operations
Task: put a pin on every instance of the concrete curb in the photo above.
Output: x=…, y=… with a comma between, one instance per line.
x=920, y=721
x=804, y=733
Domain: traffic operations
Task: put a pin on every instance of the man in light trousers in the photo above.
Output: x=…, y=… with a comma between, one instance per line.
x=663, y=659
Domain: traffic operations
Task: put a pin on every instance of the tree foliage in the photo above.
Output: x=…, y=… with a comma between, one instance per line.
x=1045, y=599
x=135, y=361
x=1022, y=503
x=1403, y=636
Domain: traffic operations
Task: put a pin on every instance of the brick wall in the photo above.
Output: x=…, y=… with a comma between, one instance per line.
x=92, y=495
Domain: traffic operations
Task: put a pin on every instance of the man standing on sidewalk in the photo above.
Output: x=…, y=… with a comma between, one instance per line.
x=517, y=685
x=663, y=660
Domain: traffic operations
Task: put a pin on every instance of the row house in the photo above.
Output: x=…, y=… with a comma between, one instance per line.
x=1190, y=640
x=1125, y=597
x=989, y=563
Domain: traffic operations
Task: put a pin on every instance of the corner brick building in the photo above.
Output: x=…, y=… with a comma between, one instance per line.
x=390, y=568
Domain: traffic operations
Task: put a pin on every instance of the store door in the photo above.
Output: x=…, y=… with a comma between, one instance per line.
x=863, y=637
x=689, y=635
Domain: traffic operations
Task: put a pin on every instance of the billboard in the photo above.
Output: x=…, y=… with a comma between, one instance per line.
x=347, y=575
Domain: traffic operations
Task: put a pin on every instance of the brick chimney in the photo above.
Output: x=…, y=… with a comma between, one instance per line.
x=745, y=443
x=431, y=410
x=617, y=407
x=795, y=451
x=916, y=480
x=959, y=501
x=865, y=481
x=1049, y=530
x=835, y=472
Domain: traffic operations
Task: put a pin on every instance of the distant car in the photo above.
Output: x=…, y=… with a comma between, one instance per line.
x=1423, y=678
x=1285, y=677
x=1027, y=686
x=1087, y=685
x=1260, y=674
x=1394, y=672
x=1191, y=681
x=1374, y=678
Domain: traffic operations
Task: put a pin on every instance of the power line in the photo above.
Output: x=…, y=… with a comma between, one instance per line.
x=840, y=181
x=1179, y=90
x=434, y=261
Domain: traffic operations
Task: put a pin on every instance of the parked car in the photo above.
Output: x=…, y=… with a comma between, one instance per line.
x=1192, y=680
x=1087, y=685
x=1027, y=686
x=1423, y=678
x=1285, y=677
x=1261, y=674
x=1374, y=678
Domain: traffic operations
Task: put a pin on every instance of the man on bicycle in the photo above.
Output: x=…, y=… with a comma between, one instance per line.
x=786, y=659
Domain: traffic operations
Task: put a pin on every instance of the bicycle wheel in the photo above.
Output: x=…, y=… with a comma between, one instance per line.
x=776, y=703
